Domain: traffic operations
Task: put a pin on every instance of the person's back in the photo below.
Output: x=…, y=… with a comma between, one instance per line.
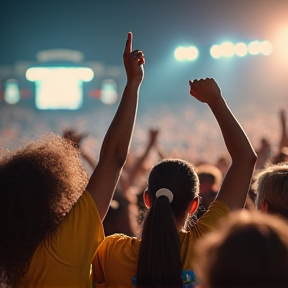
x=119, y=253
x=40, y=183
x=165, y=248
x=248, y=250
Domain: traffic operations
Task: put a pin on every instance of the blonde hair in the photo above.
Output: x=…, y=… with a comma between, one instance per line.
x=272, y=187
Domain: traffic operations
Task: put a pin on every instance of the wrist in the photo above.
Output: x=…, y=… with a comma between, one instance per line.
x=218, y=100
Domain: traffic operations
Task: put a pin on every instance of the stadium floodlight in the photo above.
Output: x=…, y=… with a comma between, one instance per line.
x=186, y=53
x=254, y=48
x=180, y=53
x=266, y=48
x=241, y=49
x=227, y=49
x=215, y=51
x=191, y=53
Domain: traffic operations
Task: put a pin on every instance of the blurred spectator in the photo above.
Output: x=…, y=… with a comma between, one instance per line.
x=247, y=250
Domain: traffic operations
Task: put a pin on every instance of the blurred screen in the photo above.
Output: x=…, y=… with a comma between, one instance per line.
x=59, y=87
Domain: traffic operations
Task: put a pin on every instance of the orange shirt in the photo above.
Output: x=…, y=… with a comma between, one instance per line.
x=116, y=259
x=64, y=259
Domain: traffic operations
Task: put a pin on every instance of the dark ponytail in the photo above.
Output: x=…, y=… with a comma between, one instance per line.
x=159, y=262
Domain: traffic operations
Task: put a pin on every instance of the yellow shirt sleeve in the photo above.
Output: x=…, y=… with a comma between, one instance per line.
x=64, y=259
x=78, y=235
x=217, y=210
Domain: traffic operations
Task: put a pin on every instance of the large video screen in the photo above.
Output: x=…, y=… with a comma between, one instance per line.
x=59, y=87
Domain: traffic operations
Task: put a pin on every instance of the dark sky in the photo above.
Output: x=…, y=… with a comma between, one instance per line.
x=98, y=28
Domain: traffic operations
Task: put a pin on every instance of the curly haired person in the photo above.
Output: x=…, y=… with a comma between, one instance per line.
x=50, y=213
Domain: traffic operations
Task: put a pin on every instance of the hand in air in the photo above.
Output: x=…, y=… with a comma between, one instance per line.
x=133, y=61
x=153, y=133
x=73, y=136
x=205, y=90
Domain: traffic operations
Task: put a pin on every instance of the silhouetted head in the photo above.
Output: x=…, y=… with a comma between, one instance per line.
x=180, y=178
x=249, y=249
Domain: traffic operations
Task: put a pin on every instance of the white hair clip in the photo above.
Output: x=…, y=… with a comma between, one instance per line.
x=165, y=192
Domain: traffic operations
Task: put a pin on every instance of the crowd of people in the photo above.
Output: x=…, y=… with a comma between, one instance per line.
x=157, y=217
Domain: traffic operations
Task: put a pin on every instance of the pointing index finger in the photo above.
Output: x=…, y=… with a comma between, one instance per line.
x=128, y=47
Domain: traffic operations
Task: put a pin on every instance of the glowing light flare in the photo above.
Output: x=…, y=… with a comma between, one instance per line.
x=227, y=49
x=266, y=48
x=254, y=48
x=82, y=73
x=180, y=53
x=191, y=53
x=241, y=49
x=186, y=53
x=215, y=51
x=11, y=91
x=109, y=93
x=280, y=45
x=59, y=87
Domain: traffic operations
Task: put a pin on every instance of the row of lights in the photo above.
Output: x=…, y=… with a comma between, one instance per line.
x=226, y=49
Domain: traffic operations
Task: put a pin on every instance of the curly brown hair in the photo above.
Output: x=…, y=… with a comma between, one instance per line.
x=39, y=185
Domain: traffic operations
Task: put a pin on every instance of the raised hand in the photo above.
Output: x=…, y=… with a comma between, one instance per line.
x=153, y=133
x=235, y=186
x=73, y=136
x=133, y=61
x=205, y=90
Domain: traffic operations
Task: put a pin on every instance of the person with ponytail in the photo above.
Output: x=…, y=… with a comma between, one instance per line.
x=163, y=254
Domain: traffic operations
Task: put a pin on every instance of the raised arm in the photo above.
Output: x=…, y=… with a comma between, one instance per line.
x=284, y=137
x=136, y=169
x=117, y=140
x=236, y=183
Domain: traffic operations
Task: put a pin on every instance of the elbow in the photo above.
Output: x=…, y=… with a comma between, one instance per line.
x=247, y=159
x=254, y=157
x=251, y=158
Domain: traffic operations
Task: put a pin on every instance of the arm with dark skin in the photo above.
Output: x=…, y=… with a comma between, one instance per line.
x=116, y=143
x=234, y=189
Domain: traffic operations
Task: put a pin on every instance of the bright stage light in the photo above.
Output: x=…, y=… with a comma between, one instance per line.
x=180, y=53
x=254, y=48
x=191, y=53
x=227, y=49
x=241, y=49
x=109, y=93
x=59, y=87
x=215, y=51
x=266, y=48
x=11, y=91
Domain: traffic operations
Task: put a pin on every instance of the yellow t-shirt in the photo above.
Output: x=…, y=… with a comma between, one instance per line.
x=116, y=259
x=64, y=259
